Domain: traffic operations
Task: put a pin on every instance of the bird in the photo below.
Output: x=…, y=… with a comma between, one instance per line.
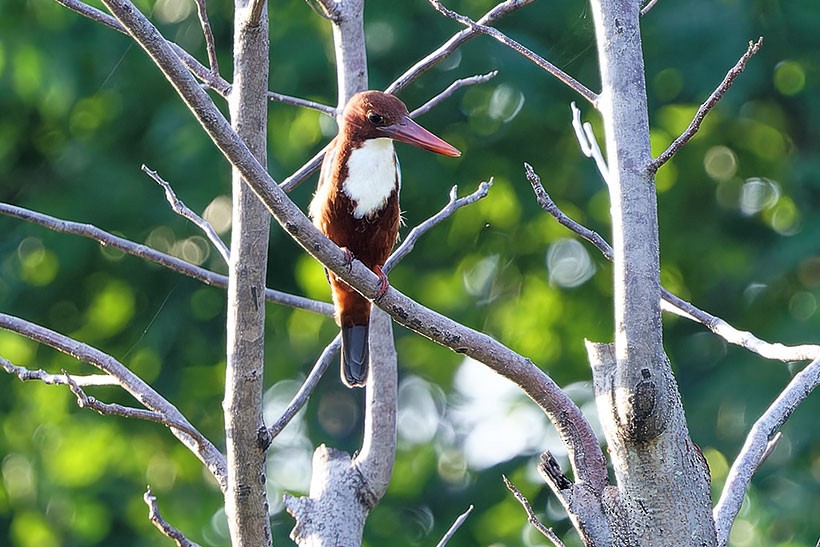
x=356, y=205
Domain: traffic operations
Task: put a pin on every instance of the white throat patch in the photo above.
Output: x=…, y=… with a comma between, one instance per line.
x=371, y=176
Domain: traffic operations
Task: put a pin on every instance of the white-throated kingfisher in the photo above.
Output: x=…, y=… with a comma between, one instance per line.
x=356, y=205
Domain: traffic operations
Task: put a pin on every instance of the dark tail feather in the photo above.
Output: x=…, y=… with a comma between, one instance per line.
x=354, y=355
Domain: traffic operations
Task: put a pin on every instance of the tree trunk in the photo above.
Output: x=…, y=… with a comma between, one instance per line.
x=245, y=500
x=663, y=480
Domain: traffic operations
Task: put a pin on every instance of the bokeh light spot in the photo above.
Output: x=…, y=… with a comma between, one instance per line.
x=789, y=78
x=720, y=163
x=568, y=263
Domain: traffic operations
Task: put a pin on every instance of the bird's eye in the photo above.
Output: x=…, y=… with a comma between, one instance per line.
x=375, y=119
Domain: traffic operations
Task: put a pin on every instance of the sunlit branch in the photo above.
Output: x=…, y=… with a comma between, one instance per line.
x=568, y=80
x=758, y=445
x=301, y=174
x=584, y=451
x=588, y=142
x=163, y=525
x=209, y=77
x=675, y=304
x=184, y=211
x=301, y=398
x=114, y=409
x=649, y=5
x=130, y=382
x=210, y=43
x=454, y=528
x=26, y=375
x=452, y=88
x=452, y=206
x=448, y=47
x=531, y=517
x=707, y=106
x=147, y=253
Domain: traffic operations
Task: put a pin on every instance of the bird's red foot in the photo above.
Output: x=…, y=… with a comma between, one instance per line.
x=383, y=283
x=348, y=258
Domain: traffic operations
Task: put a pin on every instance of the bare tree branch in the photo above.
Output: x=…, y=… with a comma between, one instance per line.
x=301, y=174
x=588, y=143
x=114, y=409
x=209, y=77
x=707, y=106
x=25, y=375
x=163, y=525
x=757, y=446
x=184, y=211
x=210, y=43
x=454, y=528
x=301, y=398
x=571, y=82
x=675, y=304
x=649, y=5
x=147, y=253
x=130, y=382
x=448, y=47
x=452, y=88
x=402, y=251
x=584, y=452
x=531, y=517
x=452, y=206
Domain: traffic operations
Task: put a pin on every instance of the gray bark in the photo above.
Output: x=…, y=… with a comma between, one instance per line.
x=662, y=479
x=246, y=502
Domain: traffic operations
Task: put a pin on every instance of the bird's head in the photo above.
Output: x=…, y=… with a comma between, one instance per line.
x=374, y=115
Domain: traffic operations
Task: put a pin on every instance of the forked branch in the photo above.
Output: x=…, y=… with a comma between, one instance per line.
x=162, y=524
x=571, y=82
x=672, y=302
x=707, y=106
x=758, y=445
x=130, y=382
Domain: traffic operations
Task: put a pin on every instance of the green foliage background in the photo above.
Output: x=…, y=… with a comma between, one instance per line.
x=81, y=109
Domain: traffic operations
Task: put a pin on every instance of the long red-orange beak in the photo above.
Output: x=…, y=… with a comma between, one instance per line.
x=412, y=133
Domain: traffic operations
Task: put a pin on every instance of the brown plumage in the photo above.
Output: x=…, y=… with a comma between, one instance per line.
x=356, y=205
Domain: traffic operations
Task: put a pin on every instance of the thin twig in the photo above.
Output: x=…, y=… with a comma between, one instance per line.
x=707, y=106
x=452, y=88
x=585, y=454
x=304, y=103
x=571, y=82
x=184, y=211
x=649, y=5
x=589, y=144
x=452, y=206
x=210, y=43
x=448, y=47
x=757, y=446
x=314, y=163
x=403, y=250
x=675, y=304
x=114, y=409
x=209, y=77
x=454, y=528
x=163, y=525
x=197, y=443
x=147, y=253
x=547, y=532
x=26, y=375
x=305, y=171
x=301, y=398
x=548, y=205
